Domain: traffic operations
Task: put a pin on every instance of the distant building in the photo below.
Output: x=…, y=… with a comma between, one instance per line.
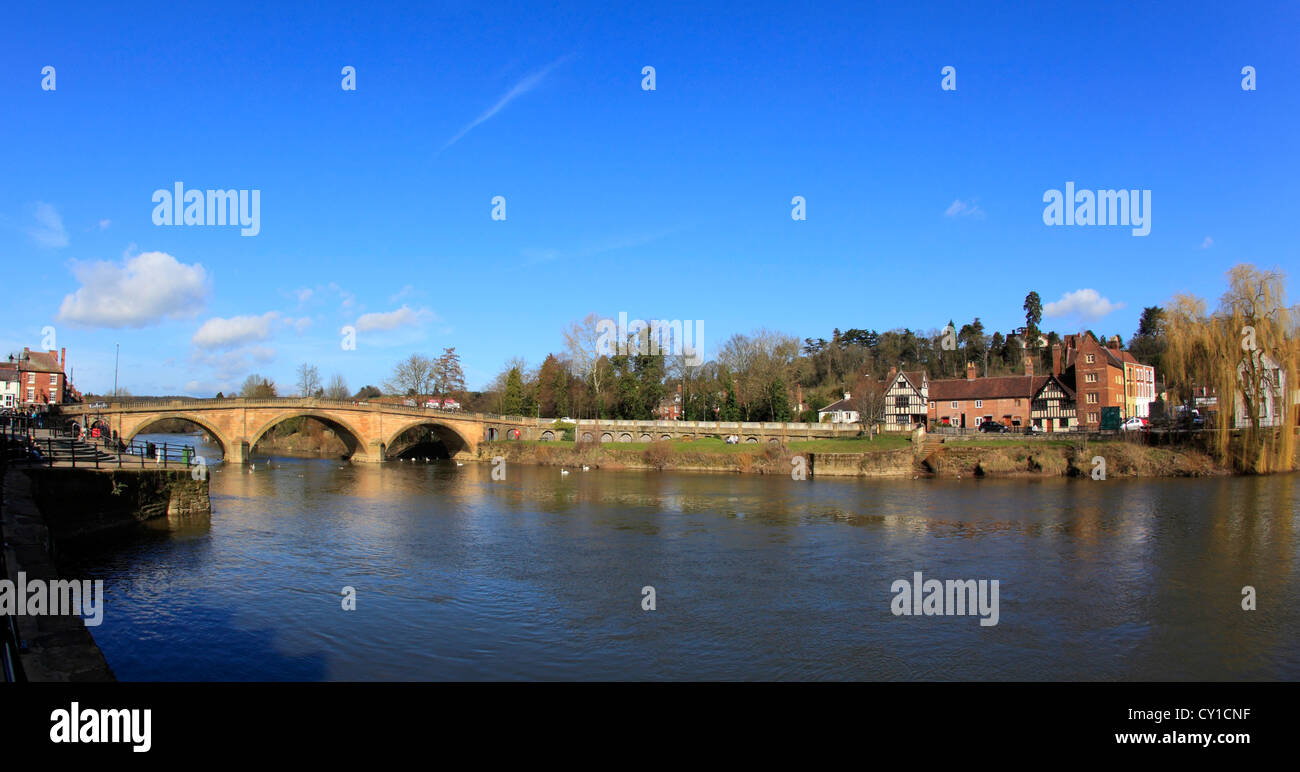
x=839, y=412
x=670, y=408
x=1271, y=386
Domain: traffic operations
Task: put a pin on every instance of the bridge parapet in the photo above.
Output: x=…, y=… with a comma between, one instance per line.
x=373, y=427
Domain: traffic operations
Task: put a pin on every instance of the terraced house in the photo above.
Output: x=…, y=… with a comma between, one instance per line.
x=1016, y=401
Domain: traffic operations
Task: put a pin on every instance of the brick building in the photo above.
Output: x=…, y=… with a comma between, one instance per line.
x=968, y=402
x=1103, y=376
x=1015, y=401
x=41, y=379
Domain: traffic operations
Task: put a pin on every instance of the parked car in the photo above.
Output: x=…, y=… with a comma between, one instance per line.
x=433, y=403
x=1034, y=429
x=450, y=404
x=409, y=402
x=994, y=427
x=1135, y=424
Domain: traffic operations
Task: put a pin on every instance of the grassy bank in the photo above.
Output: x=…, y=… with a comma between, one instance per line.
x=884, y=456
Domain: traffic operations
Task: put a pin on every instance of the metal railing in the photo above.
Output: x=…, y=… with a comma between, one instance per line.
x=60, y=445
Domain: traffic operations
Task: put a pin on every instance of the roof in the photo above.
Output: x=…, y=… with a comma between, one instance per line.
x=41, y=362
x=1004, y=387
x=842, y=404
x=7, y=374
x=915, y=377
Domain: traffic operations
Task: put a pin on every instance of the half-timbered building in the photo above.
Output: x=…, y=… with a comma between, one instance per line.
x=1053, y=407
x=906, y=398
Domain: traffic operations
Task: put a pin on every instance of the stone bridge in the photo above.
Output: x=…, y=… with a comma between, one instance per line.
x=745, y=431
x=373, y=431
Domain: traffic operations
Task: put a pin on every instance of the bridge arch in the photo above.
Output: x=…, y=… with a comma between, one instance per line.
x=452, y=438
x=221, y=439
x=356, y=441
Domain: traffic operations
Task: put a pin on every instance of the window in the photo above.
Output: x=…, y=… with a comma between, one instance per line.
x=954, y=404
x=1017, y=403
x=1092, y=418
x=1090, y=378
x=1092, y=398
x=1090, y=358
x=54, y=379
x=931, y=405
x=979, y=403
x=31, y=377
x=31, y=394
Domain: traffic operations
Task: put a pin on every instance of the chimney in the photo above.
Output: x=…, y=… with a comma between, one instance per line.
x=63, y=359
x=893, y=373
x=799, y=395
x=846, y=395
x=1029, y=364
x=970, y=371
x=1056, y=359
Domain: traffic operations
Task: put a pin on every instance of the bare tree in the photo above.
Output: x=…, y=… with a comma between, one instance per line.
x=413, y=375
x=257, y=387
x=868, y=399
x=582, y=342
x=337, y=388
x=308, y=380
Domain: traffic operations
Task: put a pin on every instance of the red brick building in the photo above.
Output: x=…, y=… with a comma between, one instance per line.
x=1096, y=372
x=968, y=402
x=41, y=379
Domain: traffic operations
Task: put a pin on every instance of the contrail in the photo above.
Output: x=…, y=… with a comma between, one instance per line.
x=519, y=89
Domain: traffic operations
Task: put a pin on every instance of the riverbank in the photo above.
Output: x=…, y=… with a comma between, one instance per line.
x=57, y=647
x=882, y=457
x=45, y=508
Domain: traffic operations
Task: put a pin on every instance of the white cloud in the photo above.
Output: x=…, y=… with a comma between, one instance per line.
x=1209, y=242
x=48, y=231
x=104, y=223
x=304, y=295
x=235, y=331
x=229, y=368
x=519, y=89
x=348, y=299
x=389, y=320
x=1084, y=303
x=959, y=208
x=137, y=292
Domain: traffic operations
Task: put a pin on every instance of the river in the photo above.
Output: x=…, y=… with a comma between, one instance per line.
x=540, y=576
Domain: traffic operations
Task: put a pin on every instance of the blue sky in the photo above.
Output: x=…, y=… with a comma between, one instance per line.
x=922, y=204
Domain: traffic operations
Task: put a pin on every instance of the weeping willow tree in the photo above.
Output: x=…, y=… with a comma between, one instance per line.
x=1245, y=354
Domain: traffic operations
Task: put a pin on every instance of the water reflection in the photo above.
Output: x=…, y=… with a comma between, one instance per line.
x=539, y=576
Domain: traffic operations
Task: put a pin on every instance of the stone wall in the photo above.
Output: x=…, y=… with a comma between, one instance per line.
x=79, y=502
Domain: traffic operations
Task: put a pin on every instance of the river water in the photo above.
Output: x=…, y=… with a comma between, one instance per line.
x=540, y=576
